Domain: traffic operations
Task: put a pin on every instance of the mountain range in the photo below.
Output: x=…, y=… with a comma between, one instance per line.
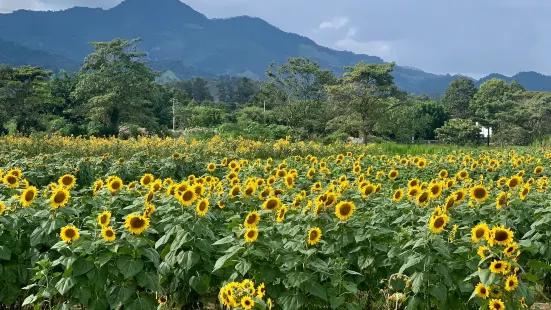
x=184, y=43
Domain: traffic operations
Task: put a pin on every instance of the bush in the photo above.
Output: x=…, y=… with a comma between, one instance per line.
x=459, y=131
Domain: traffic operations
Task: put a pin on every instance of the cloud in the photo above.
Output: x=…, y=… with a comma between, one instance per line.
x=379, y=48
x=335, y=23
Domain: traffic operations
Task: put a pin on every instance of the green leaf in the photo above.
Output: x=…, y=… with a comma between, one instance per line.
x=417, y=282
x=351, y=287
x=439, y=291
x=152, y=255
x=149, y=280
x=5, y=252
x=129, y=267
x=412, y=261
x=189, y=259
x=538, y=264
x=81, y=266
x=120, y=295
x=336, y=302
x=104, y=258
x=316, y=289
x=224, y=240
x=243, y=267
x=140, y=304
x=200, y=284
x=365, y=261
x=64, y=285
x=29, y=300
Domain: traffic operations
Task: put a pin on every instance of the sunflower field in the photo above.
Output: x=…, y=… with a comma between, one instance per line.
x=170, y=224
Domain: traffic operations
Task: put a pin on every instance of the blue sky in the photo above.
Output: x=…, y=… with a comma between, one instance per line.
x=473, y=37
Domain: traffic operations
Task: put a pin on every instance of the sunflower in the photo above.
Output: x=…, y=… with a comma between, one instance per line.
x=261, y=291
x=104, y=218
x=16, y=172
x=131, y=186
x=462, y=175
x=281, y=214
x=538, y=170
x=498, y=266
x=136, y=224
x=413, y=192
x=423, y=198
x=501, y=200
x=496, y=304
x=97, y=187
x=413, y=183
x=247, y=303
x=524, y=192
x=330, y=199
x=501, y=235
x=501, y=182
x=479, y=232
x=478, y=193
x=252, y=219
x=162, y=300
x=514, y=182
x=234, y=191
x=511, y=283
x=482, y=291
x=483, y=251
x=511, y=249
x=393, y=174
x=156, y=185
x=149, y=210
x=211, y=167
x=421, y=163
x=68, y=181
x=437, y=223
x=115, y=185
x=443, y=174
x=146, y=179
x=69, y=233
x=398, y=195
x=187, y=197
x=2, y=208
x=11, y=181
x=448, y=205
x=202, y=207
x=460, y=195
x=59, y=198
x=344, y=210
x=108, y=234
x=272, y=203
x=249, y=190
x=368, y=190
x=314, y=235
x=28, y=196
x=435, y=190
x=495, y=291
x=251, y=234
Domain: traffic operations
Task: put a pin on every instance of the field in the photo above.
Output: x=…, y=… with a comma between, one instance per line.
x=175, y=224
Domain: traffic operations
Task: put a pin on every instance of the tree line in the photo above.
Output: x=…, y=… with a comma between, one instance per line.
x=116, y=93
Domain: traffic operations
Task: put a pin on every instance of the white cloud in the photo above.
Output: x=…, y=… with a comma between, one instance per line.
x=335, y=23
x=379, y=48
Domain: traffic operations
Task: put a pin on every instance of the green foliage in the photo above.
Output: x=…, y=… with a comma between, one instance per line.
x=459, y=131
x=457, y=97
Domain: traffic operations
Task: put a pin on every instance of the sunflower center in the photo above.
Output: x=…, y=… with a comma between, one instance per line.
x=59, y=197
x=272, y=204
x=501, y=235
x=345, y=209
x=116, y=185
x=483, y=291
x=423, y=197
x=202, y=206
x=313, y=235
x=439, y=222
x=29, y=195
x=479, y=193
x=513, y=182
x=435, y=190
x=498, y=266
x=70, y=233
x=397, y=195
x=250, y=234
x=66, y=181
x=249, y=191
x=137, y=222
x=109, y=233
x=235, y=191
x=103, y=219
x=187, y=195
x=12, y=180
x=525, y=192
x=479, y=233
x=251, y=219
x=146, y=180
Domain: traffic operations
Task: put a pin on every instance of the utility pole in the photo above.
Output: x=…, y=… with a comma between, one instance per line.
x=173, y=100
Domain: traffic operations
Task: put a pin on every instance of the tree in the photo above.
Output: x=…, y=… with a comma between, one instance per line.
x=459, y=131
x=457, y=96
x=196, y=88
x=534, y=114
x=24, y=96
x=115, y=87
x=365, y=90
x=236, y=90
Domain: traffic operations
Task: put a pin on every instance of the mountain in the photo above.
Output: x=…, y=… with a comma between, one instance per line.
x=186, y=42
x=18, y=55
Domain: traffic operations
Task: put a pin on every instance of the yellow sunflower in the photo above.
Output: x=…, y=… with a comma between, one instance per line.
x=314, y=235
x=146, y=179
x=514, y=182
x=28, y=196
x=538, y=170
x=272, y=203
x=483, y=251
x=15, y=172
x=460, y=195
x=97, y=187
x=435, y=190
x=249, y=190
x=187, y=197
x=496, y=304
x=162, y=300
x=108, y=234
x=136, y=224
x=68, y=181
x=510, y=249
x=511, y=283
x=202, y=207
x=11, y=181
x=524, y=192
x=104, y=218
x=413, y=183
x=423, y=198
x=495, y=291
x=462, y=175
x=261, y=291
x=211, y=167
x=115, y=185
x=281, y=214
x=252, y=219
x=251, y=234
x=234, y=191
x=437, y=223
x=2, y=208
x=482, y=291
x=501, y=200
x=344, y=210
x=479, y=232
x=149, y=210
x=247, y=303
x=393, y=174
x=478, y=193
x=498, y=266
x=413, y=192
x=398, y=195
x=69, y=233
x=501, y=182
x=59, y=198
x=443, y=174
x=330, y=199
x=449, y=203
x=501, y=235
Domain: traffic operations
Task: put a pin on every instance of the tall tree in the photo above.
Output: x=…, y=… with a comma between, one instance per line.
x=116, y=87
x=365, y=90
x=23, y=95
x=457, y=97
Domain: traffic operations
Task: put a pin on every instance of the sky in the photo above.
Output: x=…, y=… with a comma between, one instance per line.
x=471, y=37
